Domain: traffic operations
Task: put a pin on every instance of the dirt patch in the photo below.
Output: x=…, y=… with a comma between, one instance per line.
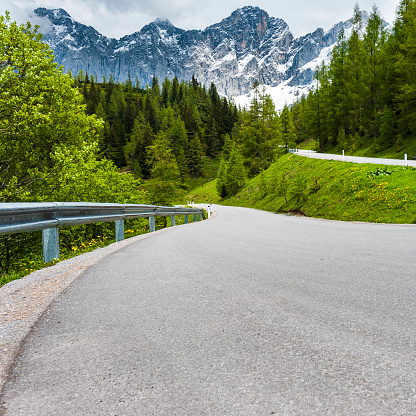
x=296, y=212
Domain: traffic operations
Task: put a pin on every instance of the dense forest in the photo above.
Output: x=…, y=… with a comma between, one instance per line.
x=186, y=122
x=365, y=98
x=194, y=120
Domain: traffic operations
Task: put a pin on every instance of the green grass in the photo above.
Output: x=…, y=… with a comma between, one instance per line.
x=205, y=194
x=209, y=172
x=332, y=190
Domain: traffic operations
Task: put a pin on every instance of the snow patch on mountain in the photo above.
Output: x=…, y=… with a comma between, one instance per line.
x=283, y=94
x=248, y=45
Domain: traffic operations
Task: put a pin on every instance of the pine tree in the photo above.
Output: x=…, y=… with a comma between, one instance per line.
x=288, y=128
x=100, y=112
x=194, y=157
x=174, y=94
x=405, y=64
x=165, y=175
x=142, y=135
x=112, y=109
x=155, y=87
x=177, y=136
x=228, y=146
x=182, y=163
x=235, y=175
x=222, y=172
x=212, y=138
x=165, y=92
x=150, y=113
x=259, y=133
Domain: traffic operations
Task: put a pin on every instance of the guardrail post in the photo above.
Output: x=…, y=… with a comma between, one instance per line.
x=195, y=219
x=200, y=217
x=119, y=230
x=152, y=226
x=172, y=221
x=50, y=242
x=186, y=219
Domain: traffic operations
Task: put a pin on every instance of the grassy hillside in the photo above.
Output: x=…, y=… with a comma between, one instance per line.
x=209, y=172
x=328, y=189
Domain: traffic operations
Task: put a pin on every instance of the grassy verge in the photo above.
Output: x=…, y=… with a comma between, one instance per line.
x=332, y=190
x=205, y=194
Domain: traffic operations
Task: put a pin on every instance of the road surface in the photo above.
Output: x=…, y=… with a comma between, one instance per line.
x=357, y=159
x=249, y=313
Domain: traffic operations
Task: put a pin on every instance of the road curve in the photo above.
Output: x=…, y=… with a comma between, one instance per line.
x=356, y=159
x=249, y=313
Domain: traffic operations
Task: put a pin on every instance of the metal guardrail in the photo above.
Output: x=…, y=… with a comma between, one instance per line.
x=50, y=216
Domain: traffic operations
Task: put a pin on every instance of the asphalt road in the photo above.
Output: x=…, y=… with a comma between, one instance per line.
x=358, y=159
x=249, y=313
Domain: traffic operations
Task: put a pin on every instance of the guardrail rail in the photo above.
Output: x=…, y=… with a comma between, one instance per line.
x=50, y=216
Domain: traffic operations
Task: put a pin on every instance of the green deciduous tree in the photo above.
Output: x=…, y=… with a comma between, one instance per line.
x=40, y=112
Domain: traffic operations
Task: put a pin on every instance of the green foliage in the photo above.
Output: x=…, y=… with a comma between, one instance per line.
x=220, y=185
x=288, y=128
x=39, y=110
x=195, y=120
x=383, y=171
x=195, y=156
x=235, y=174
x=334, y=190
x=259, y=133
x=231, y=175
x=49, y=147
x=365, y=100
x=164, y=184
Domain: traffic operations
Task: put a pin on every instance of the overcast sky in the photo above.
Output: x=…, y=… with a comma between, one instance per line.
x=115, y=18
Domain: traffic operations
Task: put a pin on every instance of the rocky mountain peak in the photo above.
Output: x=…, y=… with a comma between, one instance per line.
x=54, y=15
x=246, y=46
x=163, y=22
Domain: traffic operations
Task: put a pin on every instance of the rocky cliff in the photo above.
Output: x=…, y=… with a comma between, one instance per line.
x=246, y=46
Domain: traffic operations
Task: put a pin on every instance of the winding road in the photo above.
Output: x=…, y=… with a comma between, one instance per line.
x=248, y=313
x=357, y=159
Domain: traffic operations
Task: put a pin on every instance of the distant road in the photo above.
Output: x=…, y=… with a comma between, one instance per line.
x=356, y=159
x=249, y=313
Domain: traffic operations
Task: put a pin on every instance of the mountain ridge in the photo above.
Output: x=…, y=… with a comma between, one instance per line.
x=246, y=46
